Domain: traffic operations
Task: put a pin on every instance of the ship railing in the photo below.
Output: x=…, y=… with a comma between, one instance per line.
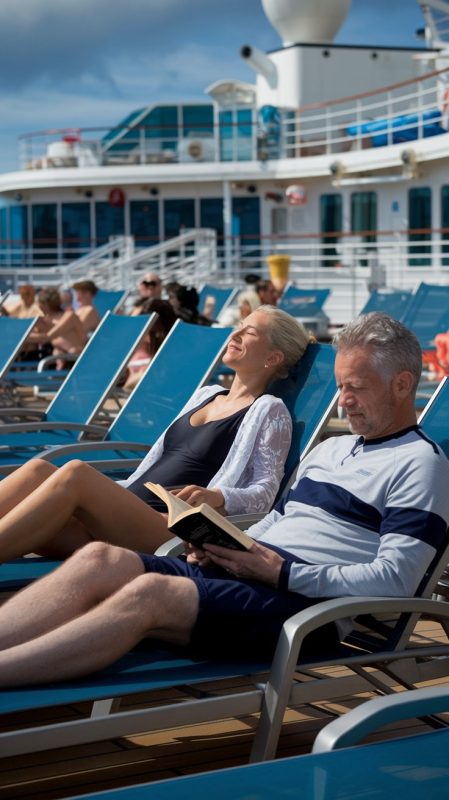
x=399, y=113
x=405, y=111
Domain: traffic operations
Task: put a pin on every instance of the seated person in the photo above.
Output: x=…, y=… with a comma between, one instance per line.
x=184, y=300
x=85, y=292
x=267, y=292
x=62, y=329
x=247, y=302
x=149, y=288
x=365, y=517
x=151, y=342
x=226, y=448
x=26, y=307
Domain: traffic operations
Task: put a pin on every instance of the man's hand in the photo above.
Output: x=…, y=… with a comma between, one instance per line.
x=195, y=495
x=196, y=556
x=259, y=563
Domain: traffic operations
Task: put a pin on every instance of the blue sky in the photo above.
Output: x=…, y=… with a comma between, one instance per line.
x=88, y=63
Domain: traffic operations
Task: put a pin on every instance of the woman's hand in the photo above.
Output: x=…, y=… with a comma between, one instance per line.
x=195, y=495
x=259, y=564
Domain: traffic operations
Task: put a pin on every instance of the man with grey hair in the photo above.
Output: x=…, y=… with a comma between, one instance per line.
x=366, y=515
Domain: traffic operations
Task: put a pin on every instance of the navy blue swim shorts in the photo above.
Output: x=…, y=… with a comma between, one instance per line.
x=238, y=616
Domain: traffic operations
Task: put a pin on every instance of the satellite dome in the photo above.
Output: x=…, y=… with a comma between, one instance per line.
x=315, y=21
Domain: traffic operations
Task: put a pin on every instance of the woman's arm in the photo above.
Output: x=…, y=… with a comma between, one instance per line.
x=256, y=486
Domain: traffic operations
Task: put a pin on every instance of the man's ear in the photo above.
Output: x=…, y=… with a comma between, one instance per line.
x=404, y=382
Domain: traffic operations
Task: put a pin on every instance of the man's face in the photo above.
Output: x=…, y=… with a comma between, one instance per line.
x=369, y=398
x=150, y=287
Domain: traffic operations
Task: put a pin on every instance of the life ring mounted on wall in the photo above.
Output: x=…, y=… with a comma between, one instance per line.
x=116, y=197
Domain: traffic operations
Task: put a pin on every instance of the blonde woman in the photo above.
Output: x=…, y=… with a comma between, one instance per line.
x=226, y=448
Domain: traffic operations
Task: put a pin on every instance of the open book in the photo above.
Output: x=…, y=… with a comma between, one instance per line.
x=200, y=524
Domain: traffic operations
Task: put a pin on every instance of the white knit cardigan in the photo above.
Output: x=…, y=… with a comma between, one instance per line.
x=251, y=472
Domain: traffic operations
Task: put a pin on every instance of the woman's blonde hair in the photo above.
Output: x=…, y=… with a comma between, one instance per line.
x=288, y=335
x=250, y=297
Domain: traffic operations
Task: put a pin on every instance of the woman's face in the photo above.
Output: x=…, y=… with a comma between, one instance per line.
x=249, y=346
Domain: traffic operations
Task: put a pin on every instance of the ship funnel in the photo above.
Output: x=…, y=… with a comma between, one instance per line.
x=261, y=64
x=314, y=21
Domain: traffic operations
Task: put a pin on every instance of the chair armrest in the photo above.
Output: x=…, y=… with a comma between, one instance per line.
x=244, y=521
x=58, y=451
x=294, y=631
x=355, y=725
x=17, y=411
x=173, y=547
x=24, y=427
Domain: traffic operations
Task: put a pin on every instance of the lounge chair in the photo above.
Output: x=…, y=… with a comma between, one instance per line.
x=222, y=297
x=292, y=679
x=13, y=334
x=338, y=767
x=109, y=300
x=307, y=306
x=427, y=313
x=380, y=651
x=391, y=302
x=80, y=397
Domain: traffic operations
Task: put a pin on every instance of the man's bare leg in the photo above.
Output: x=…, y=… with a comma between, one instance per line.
x=107, y=511
x=79, y=584
x=159, y=606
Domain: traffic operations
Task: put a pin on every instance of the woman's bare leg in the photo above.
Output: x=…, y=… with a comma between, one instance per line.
x=24, y=480
x=107, y=511
x=162, y=606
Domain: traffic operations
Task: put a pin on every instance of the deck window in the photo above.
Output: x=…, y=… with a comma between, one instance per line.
x=236, y=134
x=420, y=223
x=75, y=229
x=331, y=222
x=109, y=221
x=144, y=222
x=178, y=214
x=44, y=231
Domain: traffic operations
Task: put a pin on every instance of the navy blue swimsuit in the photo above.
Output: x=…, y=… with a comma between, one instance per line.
x=192, y=454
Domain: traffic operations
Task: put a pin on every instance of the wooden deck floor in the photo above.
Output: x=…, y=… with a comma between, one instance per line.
x=164, y=754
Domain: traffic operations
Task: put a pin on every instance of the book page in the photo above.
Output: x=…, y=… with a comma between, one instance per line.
x=174, y=504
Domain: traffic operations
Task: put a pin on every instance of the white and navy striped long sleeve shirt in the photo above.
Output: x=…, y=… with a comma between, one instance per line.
x=366, y=516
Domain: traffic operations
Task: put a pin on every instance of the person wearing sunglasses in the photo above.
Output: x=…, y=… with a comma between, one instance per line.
x=149, y=288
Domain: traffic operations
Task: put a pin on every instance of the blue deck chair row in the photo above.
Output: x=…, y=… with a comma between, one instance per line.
x=80, y=397
x=340, y=766
x=379, y=644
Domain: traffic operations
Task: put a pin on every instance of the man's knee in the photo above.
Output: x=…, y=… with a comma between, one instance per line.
x=100, y=556
x=165, y=602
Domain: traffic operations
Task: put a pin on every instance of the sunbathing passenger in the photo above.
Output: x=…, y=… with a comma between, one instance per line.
x=85, y=292
x=149, y=345
x=63, y=329
x=227, y=448
x=366, y=516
